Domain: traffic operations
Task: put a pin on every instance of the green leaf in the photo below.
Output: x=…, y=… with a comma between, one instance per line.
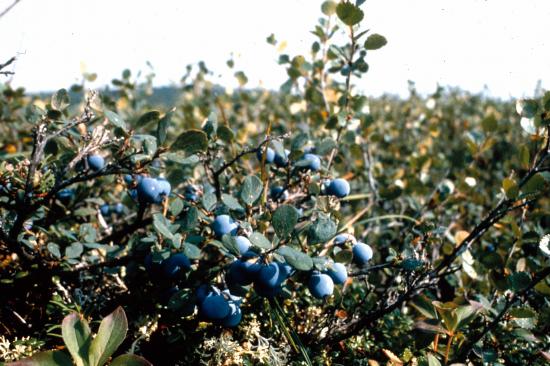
x=225, y=134
x=524, y=312
x=110, y=336
x=489, y=123
x=511, y=188
x=209, y=201
x=60, y=100
x=231, y=202
x=328, y=7
x=466, y=314
x=322, y=230
x=161, y=227
x=190, y=142
x=189, y=219
x=348, y=13
x=54, y=249
x=284, y=220
x=534, y=184
x=241, y=78
x=251, y=189
x=162, y=126
x=74, y=250
x=298, y=260
x=148, y=117
x=130, y=360
x=176, y=206
x=375, y=41
x=191, y=250
x=519, y=281
x=115, y=119
x=259, y=240
x=432, y=360
x=48, y=358
x=447, y=312
x=77, y=337
x=230, y=243
x=527, y=108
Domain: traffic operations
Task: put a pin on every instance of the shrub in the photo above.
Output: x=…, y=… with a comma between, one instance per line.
x=228, y=215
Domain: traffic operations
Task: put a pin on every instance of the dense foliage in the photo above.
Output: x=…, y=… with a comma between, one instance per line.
x=308, y=225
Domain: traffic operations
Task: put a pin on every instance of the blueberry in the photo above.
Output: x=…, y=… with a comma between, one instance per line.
x=65, y=195
x=96, y=162
x=311, y=162
x=153, y=268
x=243, y=243
x=266, y=291
x=339, y=188
x=362, y=253
x=270, y=156
x=128, y=179
x=278, y=193
x=105, y=209
x=286, y=269
x=341, y=239
x=191, y=193
x=148, y=190
x=119, y=207
x=234, y=317
x=224, y=224
x=280, y=160
x=320, y=285
x=215, y=307
x=271, y=275
x=242, y=273
x=176, y=264
x=203, y=291
x=164, y=187
x=338, y=273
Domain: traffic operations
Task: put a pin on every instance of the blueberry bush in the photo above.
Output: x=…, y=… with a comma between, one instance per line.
x=309, y=225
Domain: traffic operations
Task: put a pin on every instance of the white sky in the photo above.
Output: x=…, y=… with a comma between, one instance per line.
x=502, y=44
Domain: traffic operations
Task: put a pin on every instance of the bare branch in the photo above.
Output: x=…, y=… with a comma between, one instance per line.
x=7, y=10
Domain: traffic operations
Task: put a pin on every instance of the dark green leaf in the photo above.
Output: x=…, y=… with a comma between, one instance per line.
x=162, y=126
x=348, y=13
x=251, y=190
x=148, y=117
x=260, y=240
x=130, y=360
x=74, y=250
x=375, y=41
x=231, y=202
x=225, y=134
x=60, y=100
x=322, y=230
x=161, y=226
x=115, y=119
x=298, y=260
x=191, y=251
x=191, y=142
x=284, y=220
x=48, y=358
x=519, y=281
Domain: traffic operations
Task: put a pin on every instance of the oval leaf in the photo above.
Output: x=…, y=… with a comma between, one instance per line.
x=191, y=141
x=284, y=220
x=77, y=337
x=110, y=336
x=251, y=190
